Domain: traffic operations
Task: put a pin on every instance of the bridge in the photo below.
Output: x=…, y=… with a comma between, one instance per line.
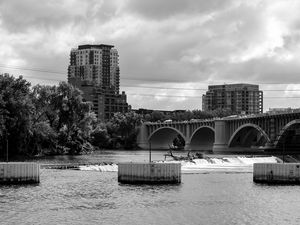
x=273, y=131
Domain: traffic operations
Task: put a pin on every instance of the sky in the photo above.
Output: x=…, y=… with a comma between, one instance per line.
x=169, y=50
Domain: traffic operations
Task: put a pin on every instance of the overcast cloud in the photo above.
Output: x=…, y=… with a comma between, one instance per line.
x=185, y=44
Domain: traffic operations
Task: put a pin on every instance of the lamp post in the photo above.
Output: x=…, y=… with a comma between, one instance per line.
x=150, y=152
x=283, y=146
x=6, y=147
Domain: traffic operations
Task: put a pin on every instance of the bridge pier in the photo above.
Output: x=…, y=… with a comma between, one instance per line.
x=187, y=146
x=142, y=138
x=221, y=136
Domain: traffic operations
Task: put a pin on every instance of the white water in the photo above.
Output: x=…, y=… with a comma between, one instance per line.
x=102, y=168
x=236, y=164
x=232, y=164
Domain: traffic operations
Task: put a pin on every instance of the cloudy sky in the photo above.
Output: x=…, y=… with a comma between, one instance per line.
x=170, y=50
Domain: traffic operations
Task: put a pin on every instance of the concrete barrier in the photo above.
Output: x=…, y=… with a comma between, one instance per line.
x=19, y=173
x=277, y=173
x=150, y=173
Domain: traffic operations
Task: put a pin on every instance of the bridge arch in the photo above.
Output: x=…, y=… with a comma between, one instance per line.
x=248, y=135
x=203, y=138
x=289, y=136
x=163, y=137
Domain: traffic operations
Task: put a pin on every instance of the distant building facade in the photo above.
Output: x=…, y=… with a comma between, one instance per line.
x=144, y=112
x=282, y=110
x=239, y=98
x=94, y=69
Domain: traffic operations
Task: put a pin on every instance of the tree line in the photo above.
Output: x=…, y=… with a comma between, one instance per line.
x=45, y=120
x=187, y=115
x=51, y=120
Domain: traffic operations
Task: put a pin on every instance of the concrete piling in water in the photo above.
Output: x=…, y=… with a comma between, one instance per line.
x=19, y=173
x=276, y=173
x=149, y=173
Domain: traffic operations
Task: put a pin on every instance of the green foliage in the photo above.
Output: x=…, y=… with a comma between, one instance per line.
x=125, y=128
x=198, y=114
x=43, y=139
x=16, y=110
x=187, y=115
x=75, y=119
x=157, y=116
x=179, y=141
x=43, y=119
x=100, y=137
x=120, y=132
x=221, y=113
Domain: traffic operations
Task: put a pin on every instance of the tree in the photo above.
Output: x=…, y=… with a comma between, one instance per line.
x=75, y=118
x=16, y=111
x=43, y=98
x=125, y=127
x=43, y=119
x=62, y=109
x=179, y=141
x=100, y=137
x=182, y=116
x=157, y=116
x=221, y=113
x=147, y=117
x=43, y=139
x=198, y=114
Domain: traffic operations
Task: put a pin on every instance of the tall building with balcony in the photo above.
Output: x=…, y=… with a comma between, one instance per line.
x=94, y=69
x=239, y=98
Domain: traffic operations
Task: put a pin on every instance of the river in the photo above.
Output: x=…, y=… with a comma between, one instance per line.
x=218, y=191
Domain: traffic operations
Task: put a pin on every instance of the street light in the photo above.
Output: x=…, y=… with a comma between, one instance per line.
x=150, y=152
x=6, y=147
x=283, y=146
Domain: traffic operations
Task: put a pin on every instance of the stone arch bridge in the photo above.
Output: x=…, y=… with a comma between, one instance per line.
x=275, y=131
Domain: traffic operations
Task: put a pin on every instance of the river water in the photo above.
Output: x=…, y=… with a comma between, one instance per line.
x=217, y=191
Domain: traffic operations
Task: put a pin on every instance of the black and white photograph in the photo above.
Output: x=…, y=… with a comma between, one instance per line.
x=149, y=112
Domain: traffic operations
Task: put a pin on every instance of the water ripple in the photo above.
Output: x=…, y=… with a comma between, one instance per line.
x=87, y=197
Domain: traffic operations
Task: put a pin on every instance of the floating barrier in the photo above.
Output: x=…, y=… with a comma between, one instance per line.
x=150, y=173
x=19, y=173
x=276, y=173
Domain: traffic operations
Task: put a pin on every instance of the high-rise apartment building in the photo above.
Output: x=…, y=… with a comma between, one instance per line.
x=239, y=98
x=96, y=64
x=94, y=69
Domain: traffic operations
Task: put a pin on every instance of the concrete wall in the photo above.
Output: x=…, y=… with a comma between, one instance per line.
x=276, y=173
x=135, y=173
x=221, y=136
x=19, y=173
